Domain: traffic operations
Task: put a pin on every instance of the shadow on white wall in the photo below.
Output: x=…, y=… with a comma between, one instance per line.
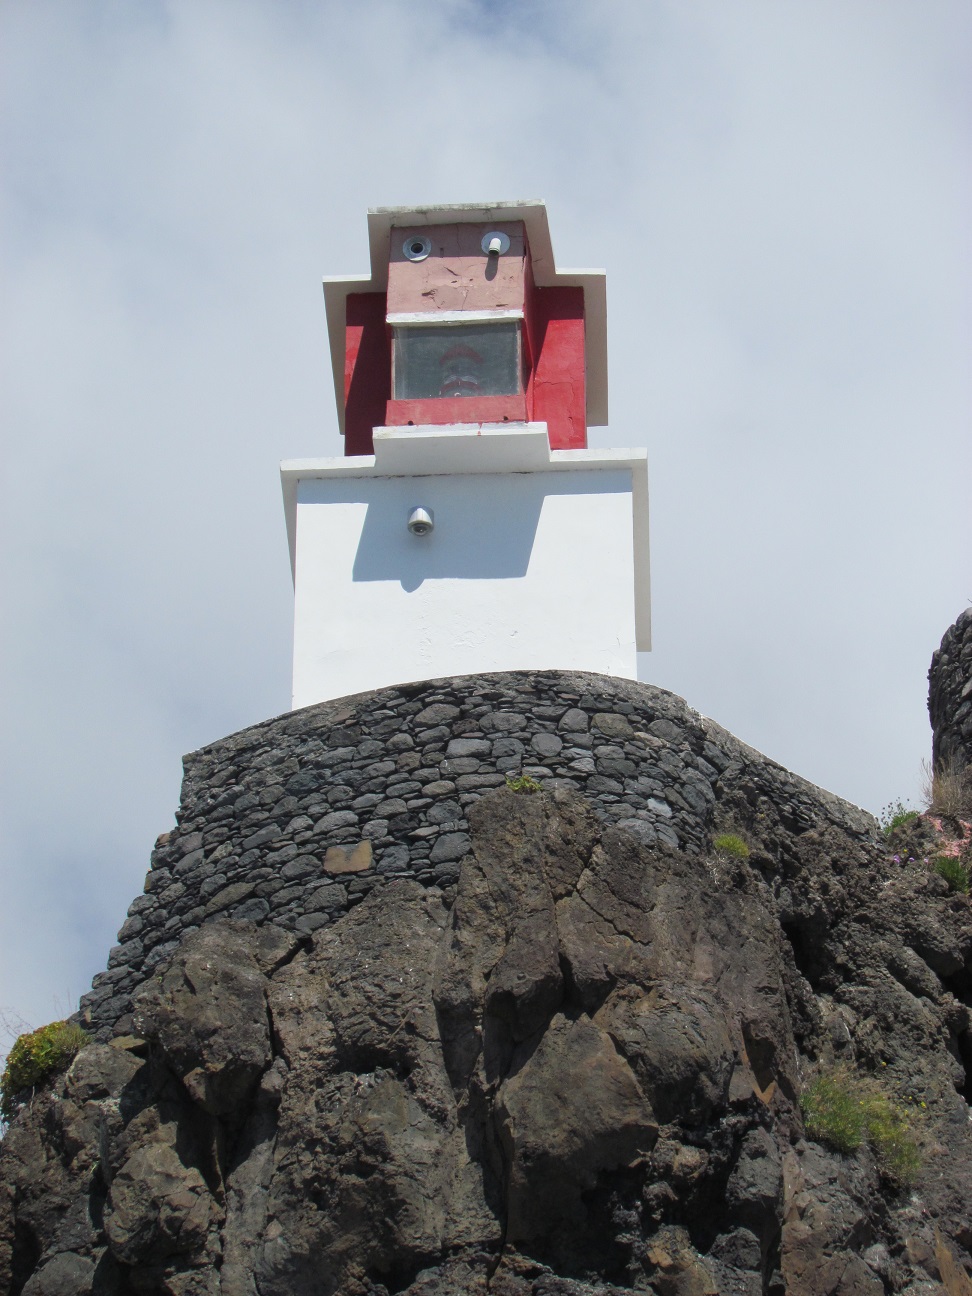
x=481, y=532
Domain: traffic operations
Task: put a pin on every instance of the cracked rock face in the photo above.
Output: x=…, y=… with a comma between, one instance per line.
x=578, y=1076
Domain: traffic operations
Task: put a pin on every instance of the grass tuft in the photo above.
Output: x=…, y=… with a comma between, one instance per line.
x=833, y=1112
x=953, y=871
x=947, y=789
x=731, y=845
x=844, y=1111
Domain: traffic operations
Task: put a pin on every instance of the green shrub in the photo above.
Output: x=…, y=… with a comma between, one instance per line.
x=896, y=815
x=844, y=1110
x=36, y=1056
x=522, y=783
x=730, y=844
x=953, y=871
x=890, y=1134
x=833, y=1112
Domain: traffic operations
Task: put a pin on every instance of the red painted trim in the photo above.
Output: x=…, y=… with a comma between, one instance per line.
x=456, y=409
x=557, y=388
x=554, y=365
x=367, y=371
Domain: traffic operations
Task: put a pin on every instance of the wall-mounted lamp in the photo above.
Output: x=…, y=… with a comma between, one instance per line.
x=495, y=243
x=421, y=521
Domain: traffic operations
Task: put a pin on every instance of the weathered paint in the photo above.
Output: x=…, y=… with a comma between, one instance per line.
x=367, y=371
x=457, y=275
x=541, y=268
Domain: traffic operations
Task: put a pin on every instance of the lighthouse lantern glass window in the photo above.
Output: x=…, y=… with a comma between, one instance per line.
x=442, y=361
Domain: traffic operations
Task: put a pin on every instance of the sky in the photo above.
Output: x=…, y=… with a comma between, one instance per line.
x=779, y=191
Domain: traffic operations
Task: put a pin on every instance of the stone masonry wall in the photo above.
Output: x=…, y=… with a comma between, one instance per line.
x=295, y=820
x=950, y=696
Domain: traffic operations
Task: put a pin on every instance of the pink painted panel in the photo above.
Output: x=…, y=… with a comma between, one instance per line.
x=457, y=274
x=438, y=411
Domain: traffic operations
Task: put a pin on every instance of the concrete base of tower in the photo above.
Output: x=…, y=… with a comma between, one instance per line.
x=536, y=559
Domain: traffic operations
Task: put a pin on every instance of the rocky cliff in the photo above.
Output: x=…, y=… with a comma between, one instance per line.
x=950, y=696
x=295, y=821
x=546, y=1031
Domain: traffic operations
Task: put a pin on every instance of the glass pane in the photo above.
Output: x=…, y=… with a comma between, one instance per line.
x=457, y=360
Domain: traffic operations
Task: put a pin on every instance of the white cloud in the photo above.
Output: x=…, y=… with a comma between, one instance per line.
x=779, y=193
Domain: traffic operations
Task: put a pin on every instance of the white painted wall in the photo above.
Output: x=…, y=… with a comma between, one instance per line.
x=524, y=570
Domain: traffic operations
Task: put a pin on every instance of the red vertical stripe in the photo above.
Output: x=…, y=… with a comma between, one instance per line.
x=367, y=371
x=558, y=384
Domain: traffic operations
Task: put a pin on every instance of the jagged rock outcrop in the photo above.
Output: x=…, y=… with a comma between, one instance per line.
x=576, y=1073
x=950, y=696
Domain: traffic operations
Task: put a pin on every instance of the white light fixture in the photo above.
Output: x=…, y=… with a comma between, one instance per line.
x=495, y=243
x=421, y=521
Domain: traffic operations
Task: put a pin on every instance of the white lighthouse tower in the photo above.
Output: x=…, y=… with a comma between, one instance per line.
x=467, y=528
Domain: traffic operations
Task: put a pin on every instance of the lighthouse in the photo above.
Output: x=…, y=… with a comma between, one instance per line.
x=467, y=527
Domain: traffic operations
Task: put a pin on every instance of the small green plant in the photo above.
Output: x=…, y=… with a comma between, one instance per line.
x=522, y=783
x=896, y=815
x=845, y=1110
x=833, y=1112
x=36, y=1056
x=953, y=871
x=890, y=1134
x=731, y=845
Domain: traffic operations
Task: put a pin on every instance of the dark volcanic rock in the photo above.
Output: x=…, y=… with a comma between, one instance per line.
x=950, y=696
x=578, y=1076
x=207, y=1012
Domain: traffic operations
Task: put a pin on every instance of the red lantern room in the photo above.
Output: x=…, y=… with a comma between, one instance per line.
x=465, y=319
